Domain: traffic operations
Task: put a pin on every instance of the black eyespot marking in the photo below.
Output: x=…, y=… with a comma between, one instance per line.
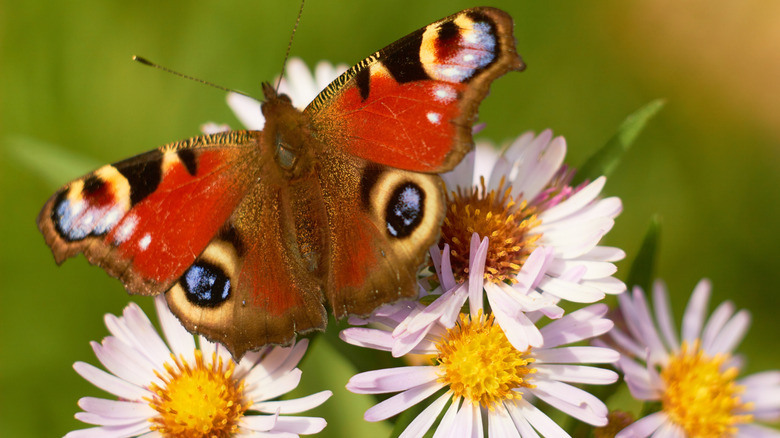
x=92, y=185
x=205, y=285
x=187, y=157
x=405, y=209
x=404, y=64
x=448, y=31
x=143, y=174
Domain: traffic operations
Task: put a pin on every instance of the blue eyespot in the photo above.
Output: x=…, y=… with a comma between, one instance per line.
x=206, y=285
x=404, y=211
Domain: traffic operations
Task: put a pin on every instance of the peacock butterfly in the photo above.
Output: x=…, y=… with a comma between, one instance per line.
x=247, y=231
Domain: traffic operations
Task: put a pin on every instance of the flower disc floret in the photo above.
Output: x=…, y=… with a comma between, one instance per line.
x=477, y=362
x=198, y=400
x=494, y=214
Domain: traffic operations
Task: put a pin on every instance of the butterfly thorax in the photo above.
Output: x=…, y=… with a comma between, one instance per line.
x=287, y=134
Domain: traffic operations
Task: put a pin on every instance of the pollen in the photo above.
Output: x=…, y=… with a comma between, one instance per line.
x=198, y=400
x=702, y=397
x=496, y=215
x=477, y=362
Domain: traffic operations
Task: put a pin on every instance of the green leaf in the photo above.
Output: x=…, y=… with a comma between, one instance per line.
x=606, y=159
x=54, y=164
x=643, y=267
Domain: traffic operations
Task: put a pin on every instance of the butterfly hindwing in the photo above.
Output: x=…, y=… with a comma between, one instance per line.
x=382, y=221
x=412, y=105
x=258, y=281
x=145, y=219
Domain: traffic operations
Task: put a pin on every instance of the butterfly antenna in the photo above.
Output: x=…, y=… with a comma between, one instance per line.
x=145, y=61
x=289, y=46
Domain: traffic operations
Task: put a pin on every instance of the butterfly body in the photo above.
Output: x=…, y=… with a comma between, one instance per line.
x=248, y=233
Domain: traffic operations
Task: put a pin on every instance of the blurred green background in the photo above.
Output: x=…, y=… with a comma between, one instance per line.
x=708, y=164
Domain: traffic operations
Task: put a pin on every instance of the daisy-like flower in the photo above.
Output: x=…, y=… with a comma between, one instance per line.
x=543, y=236
x=183, y=390
x=481, y=374
x=695, y=378
x=522, y=200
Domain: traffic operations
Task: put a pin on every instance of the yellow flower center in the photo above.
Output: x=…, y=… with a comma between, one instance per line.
x=477, y=362
x=495, y=215
x=701, y=397
x=198, y=401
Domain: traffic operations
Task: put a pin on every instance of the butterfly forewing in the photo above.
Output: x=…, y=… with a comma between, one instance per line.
x=145, y=219
x=412, y=105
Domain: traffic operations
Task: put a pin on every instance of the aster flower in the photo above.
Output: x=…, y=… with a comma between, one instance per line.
x=543, y=234
x=695, y=377
x=481, y=374
x=180, y=389
x=524, y=201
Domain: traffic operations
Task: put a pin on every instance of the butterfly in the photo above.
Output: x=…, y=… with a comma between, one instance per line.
x=249, y=233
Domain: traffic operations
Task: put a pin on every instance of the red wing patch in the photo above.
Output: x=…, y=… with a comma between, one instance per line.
x=412, y=105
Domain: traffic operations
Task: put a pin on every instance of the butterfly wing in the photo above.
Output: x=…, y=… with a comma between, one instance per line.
x=145, y=219
x=412, y=105
x=382, y=221
x=258, y=281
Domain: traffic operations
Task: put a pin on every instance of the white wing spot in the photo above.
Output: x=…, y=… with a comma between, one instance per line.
x=144, y=242
x=444, y=93
x=434, y=118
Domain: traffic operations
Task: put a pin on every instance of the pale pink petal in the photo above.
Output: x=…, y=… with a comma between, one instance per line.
x=521, y=424
x=643, y=427
x=664, y=316
x=477, y=257
x=608, y=285
x=110, y=383
x=121, y=363
x=669, y=430
x=368, y=338
x=325, y=73
x=627, y=343
x=258, y=390
x=538, y=419
x=715, y=323
x=128, y=430
x=181, y=342
x=576, y=374
x=127, y=410
x=391, y=379
x=732, y=334
x=575, y=202
x=423, y=422
x=247, y=110
x=500, y=424
x=401, y=402
x=211, y=128
x=569, y=291
x=444, y=430
x=572, y=401
x=261, y=423
x=295, y=405
x=576, y=355
x=300, y=425
x=298, y=83
x=693, y=318
x=577, y=326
